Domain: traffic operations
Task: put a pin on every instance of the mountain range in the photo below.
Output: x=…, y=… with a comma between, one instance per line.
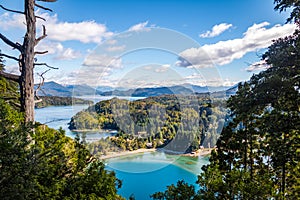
x=54, y=89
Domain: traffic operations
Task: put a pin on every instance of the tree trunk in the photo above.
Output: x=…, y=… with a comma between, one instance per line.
x=27, y=63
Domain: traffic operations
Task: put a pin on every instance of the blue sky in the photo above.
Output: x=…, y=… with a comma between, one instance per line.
x=151, y=43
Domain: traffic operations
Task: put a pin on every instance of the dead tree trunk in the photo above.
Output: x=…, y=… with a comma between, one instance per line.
x=27, y=63
x=26, y=60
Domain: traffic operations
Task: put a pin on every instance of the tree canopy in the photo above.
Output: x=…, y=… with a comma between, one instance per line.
x=257, y=155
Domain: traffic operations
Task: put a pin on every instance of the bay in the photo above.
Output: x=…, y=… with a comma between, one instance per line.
x=146, y=173
x=141, y=174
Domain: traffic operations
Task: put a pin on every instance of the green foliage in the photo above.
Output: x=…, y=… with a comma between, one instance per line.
x=42, y=163
x=258, y=152
x=180, y=191
x=8, y=89
x=294, y=5
x=60, y=101
x=257, y=155
x=178, y=123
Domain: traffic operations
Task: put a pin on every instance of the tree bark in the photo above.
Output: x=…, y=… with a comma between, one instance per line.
x=27, y=63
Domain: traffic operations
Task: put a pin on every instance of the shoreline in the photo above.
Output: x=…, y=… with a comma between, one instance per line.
x=93, y=130
x=125, y=153
x=202, y=152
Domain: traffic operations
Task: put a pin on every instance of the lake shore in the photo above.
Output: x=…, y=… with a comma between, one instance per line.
x=200, y=152
x=125, y=153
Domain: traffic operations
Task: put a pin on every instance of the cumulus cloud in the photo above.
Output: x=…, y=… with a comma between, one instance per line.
x=56, y=48
x=85, y=31
x=224, y=52
x=68, y=54
x=103, y=60
x=216, y=30
x=115, y=48
x=139, y=27
x=258, y=66
x=163, y=68
x=8, y=20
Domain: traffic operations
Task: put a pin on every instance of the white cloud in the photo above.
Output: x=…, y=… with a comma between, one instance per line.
x=216, y=30
x=85, y=31
x=224, y=52
x=116, y=48
x=258, y=66
x=102, y=60
x=68, y=54
x=8, y=21
x=163, y=68
x=139, y=27
x=56, y=48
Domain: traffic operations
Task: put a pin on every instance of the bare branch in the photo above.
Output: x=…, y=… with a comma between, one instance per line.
x=38, y=101
x=10, y=57
x=9, y=76
x=47, y=0
x=40, y=52
x=10, y=43
x=42, y=7
x=45, y=64
x=41, y=83
x=14, y=11
x=38, y=17
x=42, y=37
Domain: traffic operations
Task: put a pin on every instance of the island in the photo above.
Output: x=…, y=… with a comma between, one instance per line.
x=177, y=124
x=61, y=101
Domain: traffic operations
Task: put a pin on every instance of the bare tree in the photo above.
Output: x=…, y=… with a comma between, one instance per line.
x=26, y=59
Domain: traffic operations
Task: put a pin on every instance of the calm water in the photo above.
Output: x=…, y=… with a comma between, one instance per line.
x=141, y=174
x=147, y=173
x=60, y=116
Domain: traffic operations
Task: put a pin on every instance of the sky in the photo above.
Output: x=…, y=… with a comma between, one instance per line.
x=149, y=43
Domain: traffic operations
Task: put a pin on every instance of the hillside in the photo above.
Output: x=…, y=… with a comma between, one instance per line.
x=55, y=89
x=60, y=101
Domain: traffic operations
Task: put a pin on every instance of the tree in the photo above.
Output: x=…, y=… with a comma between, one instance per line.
x=259, y=149
x=283, y=5
x=257, y=155
x=26, y=59
x=37, y=162
x=48, y=165
x=180, y=191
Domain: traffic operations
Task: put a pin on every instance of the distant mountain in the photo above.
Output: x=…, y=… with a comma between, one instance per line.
x=148, y=92
x=81, y=90
x=55, y=89
x=232, y=90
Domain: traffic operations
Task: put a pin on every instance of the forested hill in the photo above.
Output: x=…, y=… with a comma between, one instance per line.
x=60, y=101
x=55, y=89
x=181, y=122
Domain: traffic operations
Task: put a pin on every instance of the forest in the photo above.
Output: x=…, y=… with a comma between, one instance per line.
x=60, y=101
x=257, y=155
x=256, y=134
x=176, y=122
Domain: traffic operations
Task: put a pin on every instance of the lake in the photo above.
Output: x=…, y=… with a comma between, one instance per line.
x=141, y=174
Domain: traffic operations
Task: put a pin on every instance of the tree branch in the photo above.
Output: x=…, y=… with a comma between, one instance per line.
x=41, y=84
x=11, y=57
x=47, y=0
x=38, y=17
x=45, y=64
x=41, y=37
x=14, y=11
x=40, y=52
x=9, y=76
x=42, y=7
x=10, y=43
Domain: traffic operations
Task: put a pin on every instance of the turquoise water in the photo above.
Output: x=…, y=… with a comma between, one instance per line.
x=60, y=116
x=147, y=173
x=141, y=174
